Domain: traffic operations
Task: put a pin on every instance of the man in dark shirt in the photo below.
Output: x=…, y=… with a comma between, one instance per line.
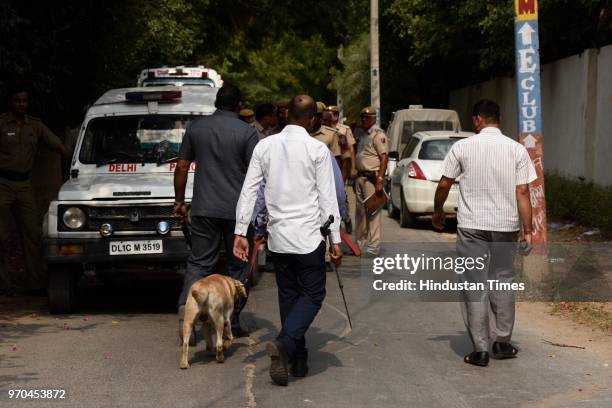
x=221, y=145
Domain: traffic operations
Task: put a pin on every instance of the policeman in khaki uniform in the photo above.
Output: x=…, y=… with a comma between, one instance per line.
x=347, y=144
x=20, y=137
x=247, y=115
x=329, y=136
x=282, y=111
x=372, y=156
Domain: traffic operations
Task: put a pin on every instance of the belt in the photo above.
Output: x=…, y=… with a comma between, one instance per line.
x=14, y=175
x=368, y=174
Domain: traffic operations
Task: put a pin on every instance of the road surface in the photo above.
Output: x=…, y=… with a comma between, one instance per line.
x=122, y=350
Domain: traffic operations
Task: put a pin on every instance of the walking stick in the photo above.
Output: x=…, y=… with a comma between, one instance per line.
x=326, y=232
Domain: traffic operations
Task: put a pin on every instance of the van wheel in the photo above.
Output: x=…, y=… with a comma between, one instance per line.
x=62, y=289
x=392, y=212
x=407, y=220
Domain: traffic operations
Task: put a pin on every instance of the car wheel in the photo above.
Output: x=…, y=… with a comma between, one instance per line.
x=407, y=220
x=391, y=210
x=62, y=289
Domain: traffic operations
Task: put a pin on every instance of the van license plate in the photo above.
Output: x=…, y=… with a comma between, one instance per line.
x=152, y=246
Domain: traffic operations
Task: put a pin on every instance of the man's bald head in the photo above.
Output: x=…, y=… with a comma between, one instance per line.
x=302, y=108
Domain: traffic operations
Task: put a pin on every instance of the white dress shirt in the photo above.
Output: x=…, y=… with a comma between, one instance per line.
x=300, y=192
x=491, y=165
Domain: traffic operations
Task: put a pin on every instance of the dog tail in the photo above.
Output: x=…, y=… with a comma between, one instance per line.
x=200, y=297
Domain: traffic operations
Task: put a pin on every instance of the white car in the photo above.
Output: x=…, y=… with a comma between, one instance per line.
x=416, y=176
x=180, y=76
x=114, y=214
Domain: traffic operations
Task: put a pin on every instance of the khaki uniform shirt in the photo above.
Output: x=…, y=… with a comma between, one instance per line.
x=346, y=140
x=372, y=143
x=329, y=137
x=19, y=142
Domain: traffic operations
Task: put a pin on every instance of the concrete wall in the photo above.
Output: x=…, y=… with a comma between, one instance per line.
x=576, y=113
x=603, y=123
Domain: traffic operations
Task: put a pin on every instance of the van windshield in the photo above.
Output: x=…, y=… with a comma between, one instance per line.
x=133, y=139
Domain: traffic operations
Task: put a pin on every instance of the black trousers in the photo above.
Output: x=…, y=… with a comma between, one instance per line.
x=301, y=290
x=206, y=236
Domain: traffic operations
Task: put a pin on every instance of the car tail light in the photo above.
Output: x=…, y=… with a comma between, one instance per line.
x=415, y=172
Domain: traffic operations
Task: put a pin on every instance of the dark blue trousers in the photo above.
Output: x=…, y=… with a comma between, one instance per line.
x=206, y=236
x=301, y=290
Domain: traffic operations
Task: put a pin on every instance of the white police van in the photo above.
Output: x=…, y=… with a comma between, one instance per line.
x=180, y=76
x=114, y=214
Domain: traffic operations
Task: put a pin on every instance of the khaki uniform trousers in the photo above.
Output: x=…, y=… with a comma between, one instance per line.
x=17, y=203
x=367, y=228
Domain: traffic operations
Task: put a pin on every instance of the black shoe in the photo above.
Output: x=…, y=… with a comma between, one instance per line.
x=278, y=362
x=239, y=332
x=504, y=350
x=478, y=358
x=299, y=368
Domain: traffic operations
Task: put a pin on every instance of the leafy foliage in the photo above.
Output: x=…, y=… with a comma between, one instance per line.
x=453, y=43
x=72, y=51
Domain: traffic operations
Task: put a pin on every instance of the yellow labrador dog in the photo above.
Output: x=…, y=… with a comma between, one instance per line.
x=214, y=296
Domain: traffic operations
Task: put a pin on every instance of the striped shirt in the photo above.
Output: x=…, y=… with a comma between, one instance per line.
x=490, y=166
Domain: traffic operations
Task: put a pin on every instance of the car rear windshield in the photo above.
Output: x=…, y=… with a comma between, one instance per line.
x=435, y=149
x=133, y=139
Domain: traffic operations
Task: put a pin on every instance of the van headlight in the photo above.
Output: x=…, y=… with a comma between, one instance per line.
x=74, y=218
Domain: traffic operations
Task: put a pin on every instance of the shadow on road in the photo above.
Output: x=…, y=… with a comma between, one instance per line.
x=129, y=296
x=316, y=339
x=459, y=343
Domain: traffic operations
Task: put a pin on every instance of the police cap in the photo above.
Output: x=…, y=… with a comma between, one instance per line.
x=368, y=111
x=245, y=113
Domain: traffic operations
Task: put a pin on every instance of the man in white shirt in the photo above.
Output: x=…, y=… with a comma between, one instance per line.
x=493, y=200
x=300, y=196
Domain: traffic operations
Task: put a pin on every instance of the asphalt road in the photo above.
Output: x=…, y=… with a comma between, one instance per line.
x=122, y=350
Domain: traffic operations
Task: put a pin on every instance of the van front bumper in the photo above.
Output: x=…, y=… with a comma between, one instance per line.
x=97, y=250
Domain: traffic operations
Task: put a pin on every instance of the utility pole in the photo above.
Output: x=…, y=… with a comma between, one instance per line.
x=374, y=69
x=527, y=47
